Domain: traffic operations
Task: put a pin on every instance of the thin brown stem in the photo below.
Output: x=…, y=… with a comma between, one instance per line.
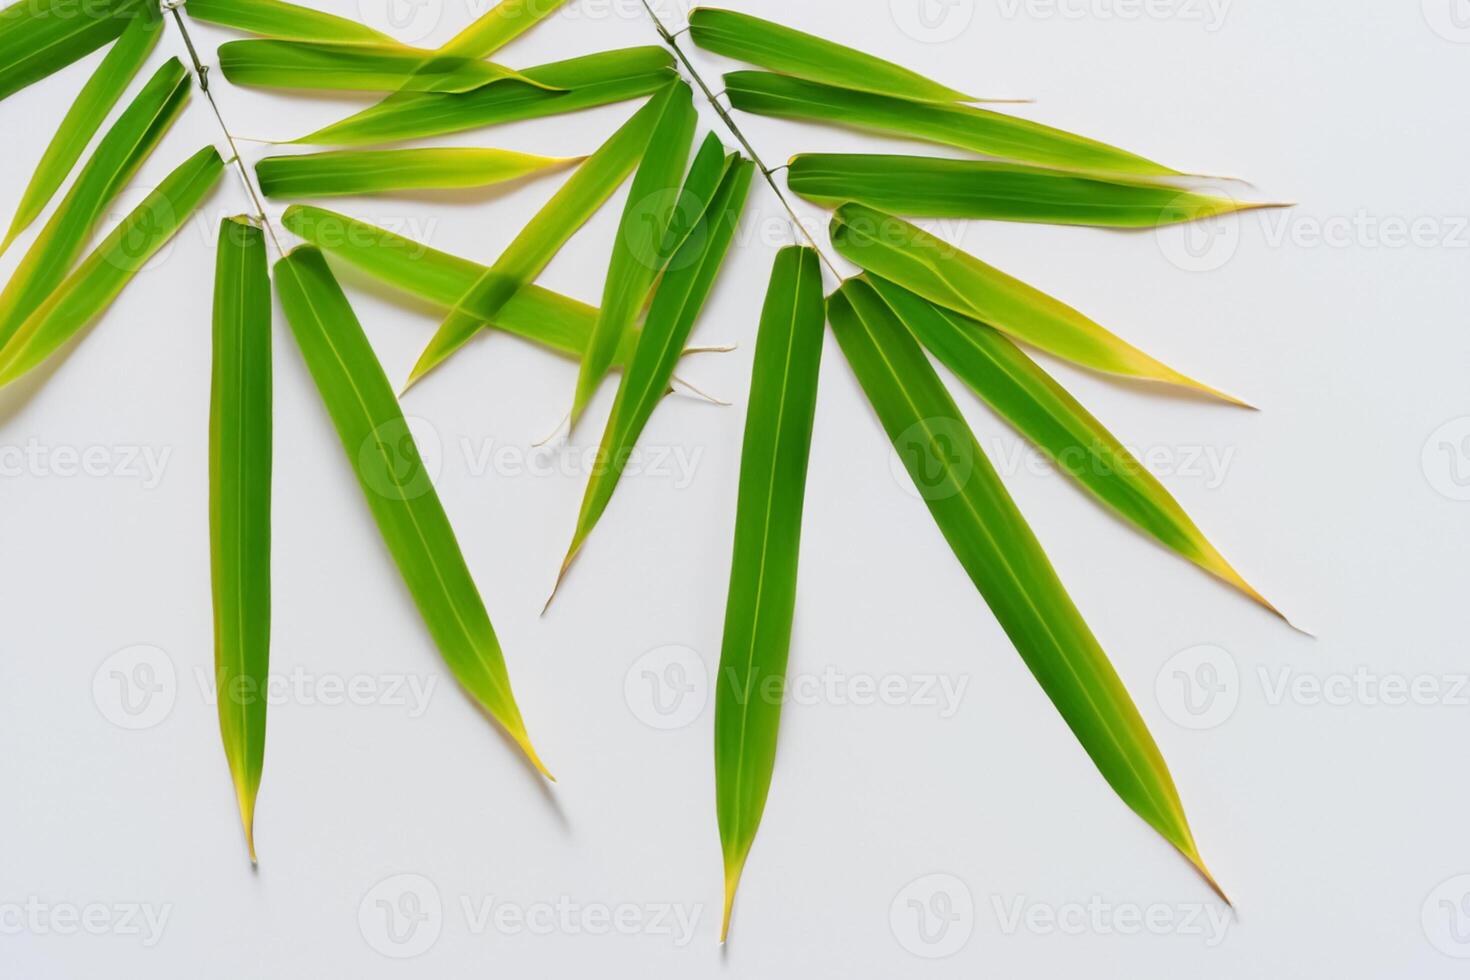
x=730, y=124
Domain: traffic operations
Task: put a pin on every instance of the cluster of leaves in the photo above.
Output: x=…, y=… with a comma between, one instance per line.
x=915, y=296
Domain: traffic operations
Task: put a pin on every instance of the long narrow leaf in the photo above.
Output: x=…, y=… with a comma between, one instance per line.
x=288, y=21
x=639, y=249
x=85, y=116
x=762, y=597
x=356, y=67
x=966, y=127
x=1001, y=555
x=240, y=504
x=401, y=498
x=676, y=305
x=39, y=37
x=896, y=250
x=378, y=171
x=500, y=25
x=111, y=265
x=792, y=52
x=117, y=157
x=927, y=187
x=1041, y=410
x=599, y=79
x=582, y=195
x=555, y=321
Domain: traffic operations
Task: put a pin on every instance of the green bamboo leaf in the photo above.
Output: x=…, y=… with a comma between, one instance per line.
x=378, y=171
x=84, y=118
x=927, y=187
x=1029, y=399
x=111, y=265
x=639, y=250
x=288, y=21
x=599, y=79
x=40, y=37
x=500, y=25
x=816, y=59
x=896, y=250
x=356, y=67
x=240, y=504
x=399, y=492
x=978, y=130
x=762, y=597
x=1001, y=555
x=117, y=157
x=676, y=305
x=555, y=321
x=524, y=259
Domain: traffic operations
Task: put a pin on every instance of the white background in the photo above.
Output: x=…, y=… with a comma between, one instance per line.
x=1337, y=821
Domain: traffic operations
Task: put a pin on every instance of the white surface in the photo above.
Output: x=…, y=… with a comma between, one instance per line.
x=1337, y=827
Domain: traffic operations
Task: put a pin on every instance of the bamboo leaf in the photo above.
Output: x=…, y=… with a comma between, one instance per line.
x=555, y=321
x=581, y=197
x=566, y=86
x=356, y=67
x=378, y=171
x=762, y=597
x=639, y=249
x=40, y=37
x=288, y=21
x=85, y=116
x=117, y=157
x=111, y=265
x=1001, y=555
x=927, y=187
x=240, y=504
x=896, y=250
x=398, y=489
x=1025, y=396
x=676, y=306
x=978, y=130
x=816, y=59
x=500, y=25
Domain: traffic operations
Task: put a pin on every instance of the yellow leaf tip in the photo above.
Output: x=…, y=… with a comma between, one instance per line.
x=732, y=884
